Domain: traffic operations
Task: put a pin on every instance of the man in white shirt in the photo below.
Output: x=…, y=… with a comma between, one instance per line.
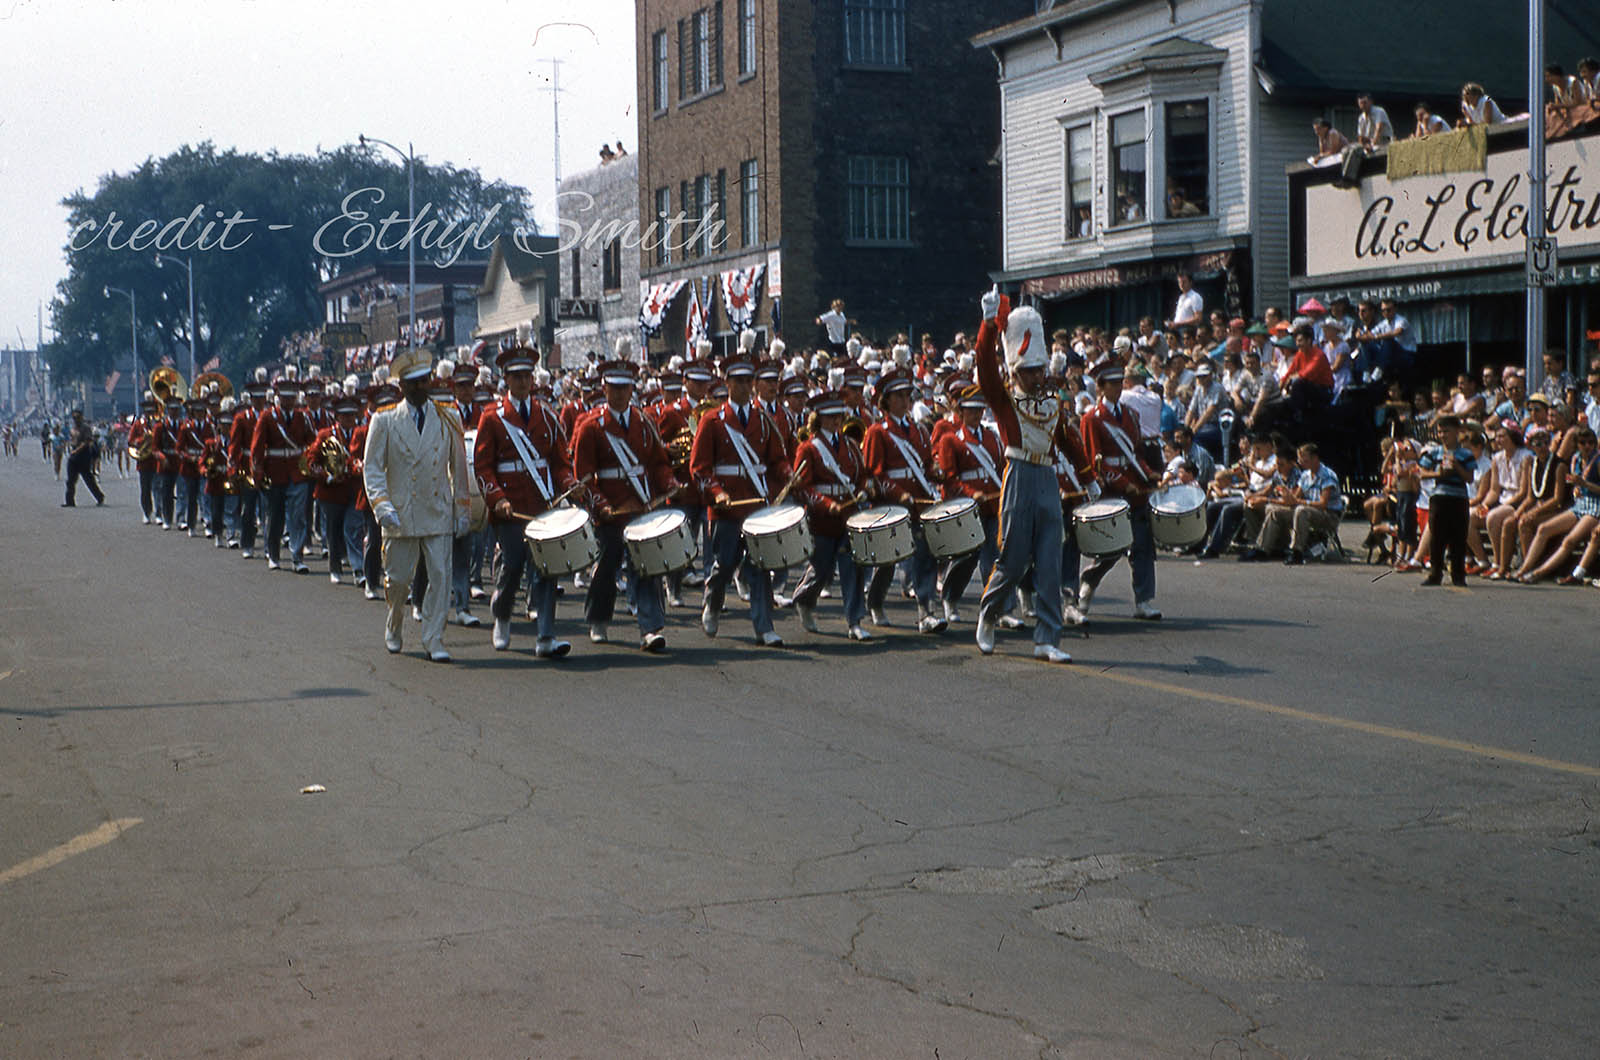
x=1390, y=344
x=1190, y=305
x=1146, y=404
x=1373, y=128
x=835, y=322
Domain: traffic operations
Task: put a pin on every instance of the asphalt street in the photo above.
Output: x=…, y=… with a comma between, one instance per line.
x=1314, y=812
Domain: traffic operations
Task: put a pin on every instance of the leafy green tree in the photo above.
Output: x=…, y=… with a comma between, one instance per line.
x=253, y=286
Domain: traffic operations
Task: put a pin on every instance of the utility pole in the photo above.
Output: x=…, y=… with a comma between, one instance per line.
x=1535, y=335
x=555, y=108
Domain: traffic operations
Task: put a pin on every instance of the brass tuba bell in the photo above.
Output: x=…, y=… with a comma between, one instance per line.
x=167, y=383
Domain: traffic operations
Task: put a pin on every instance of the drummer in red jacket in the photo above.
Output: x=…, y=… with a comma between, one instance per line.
x=1111, y=437
x=738, y=463
x=618, y=447
x=521, y=461
x=832, y=478
x=900, y=457
x=971, y=459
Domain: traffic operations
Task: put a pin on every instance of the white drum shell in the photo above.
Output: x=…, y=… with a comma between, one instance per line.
x=561, y=541
x=777, y=537
x=1103, y=528
x=880, y=536
x=1178, y=516
x=953, y=527
x=659, y=542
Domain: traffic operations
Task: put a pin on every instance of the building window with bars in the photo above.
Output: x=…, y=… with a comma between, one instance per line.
x=658, y=70
x=747, y=37
x=880, y=199
x=875, y=32
x=700, y=52
x=749, y=204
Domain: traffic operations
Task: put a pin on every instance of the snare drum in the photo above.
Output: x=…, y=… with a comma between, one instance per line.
x=659, y=542
x=880, y=536
x=561, y=541
x=777, y=537
x=953, y=527
x=1178, y=516
x=1103, y=528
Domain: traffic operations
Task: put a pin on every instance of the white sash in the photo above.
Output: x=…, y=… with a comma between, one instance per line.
x=1064, y=465
x=538, y=469
x=820, y=444
x=747, y=456
x=985, y=461
x=1121, y=438
x=913, y=461
x=630, y=465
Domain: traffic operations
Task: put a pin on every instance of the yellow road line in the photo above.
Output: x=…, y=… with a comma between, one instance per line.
x=55, y=856
x=1388, y=731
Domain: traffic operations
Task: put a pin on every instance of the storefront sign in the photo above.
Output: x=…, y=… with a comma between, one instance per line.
x=1201, y=266
x=1453, y=219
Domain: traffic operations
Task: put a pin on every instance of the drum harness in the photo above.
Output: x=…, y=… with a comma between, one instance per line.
x=631, y=468
x=747, y=457
x=981, y=455
x=913, y=462
x=820, y=444
x=537, y=468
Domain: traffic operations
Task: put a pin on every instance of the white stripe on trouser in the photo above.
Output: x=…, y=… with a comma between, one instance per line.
x=400, y=555
x=1030, y=536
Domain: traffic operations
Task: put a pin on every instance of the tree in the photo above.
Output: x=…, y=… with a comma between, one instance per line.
x=253, y=285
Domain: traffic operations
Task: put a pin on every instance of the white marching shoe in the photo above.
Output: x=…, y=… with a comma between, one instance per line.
x=951, y=615
x=1085, y=597
x=654, y=643
x=808, y=616
x=502, y=634
x=467, y=618
x=708, y=620
x=334, y=578
x=551, y=648
x=438, y=655
x=391, y=640
x=878, y=617
x=770, y=639
x=1147, y=610
x=857, y=633
x=985, y=633
x=1050, y=653
x=597, y=633
x=1072, y=616
x=931, y=623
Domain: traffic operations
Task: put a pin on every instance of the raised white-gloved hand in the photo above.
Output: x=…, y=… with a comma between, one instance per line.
x=1093, y=492
x=991, y=303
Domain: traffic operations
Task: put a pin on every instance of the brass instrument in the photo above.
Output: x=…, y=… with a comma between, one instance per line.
x=214, y=464
x=167, y=383
x=145, y=448
x=679, y=445
x=217, y=379
x=331, y=458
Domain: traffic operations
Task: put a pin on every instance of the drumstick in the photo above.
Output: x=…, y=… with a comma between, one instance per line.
x=793, y=480
x=743, y=504
x=584, y=481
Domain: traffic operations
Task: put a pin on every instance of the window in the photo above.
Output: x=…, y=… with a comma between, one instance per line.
x=1188, y=159
x=658, y=68
x=689, y=206
x=700, y=52
x=1080, y=182
x=747, y=37
x=880, y=199
x=719, y=235
x=611, y=266
x=704, y=208
x=577, y=274
x=1126, y=204
x=749, y=205
x=875, y=32
x=663, y=212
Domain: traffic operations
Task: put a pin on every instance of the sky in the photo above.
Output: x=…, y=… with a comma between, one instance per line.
x=94, y=87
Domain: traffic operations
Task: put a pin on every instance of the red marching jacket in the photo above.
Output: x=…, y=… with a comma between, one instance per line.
x=1111, y=440
x=275, y=449
x=342, y=491
x=500, y=467
x=167, y=458
x=824, y=493
x=716, y=465
x=144, y=427
x=594, y=458
x=192, y=437
x=240, y=435
x=965, y=473
x=887, y=462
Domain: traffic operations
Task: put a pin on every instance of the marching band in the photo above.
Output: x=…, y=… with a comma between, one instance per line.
x=746, y=472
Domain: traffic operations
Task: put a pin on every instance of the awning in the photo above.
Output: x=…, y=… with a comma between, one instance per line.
x=1066, y=285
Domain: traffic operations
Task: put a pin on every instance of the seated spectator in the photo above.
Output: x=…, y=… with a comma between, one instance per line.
x=1311, y=509
x=1191, y=450
x=1337, y=351
x=1564, y=91
x=1379, y=507
x=1248, y=481
x=1388, y=342
x=1509, y=489
x=1428, y=123
x=1591, y=412
x=1373, y=128
x=1393, y=417
x=1513, y=407
x=1208, y=399
x=1589, y=78
x=1544, y=495
x=1331, y=143
x=1483, y=494
x=1308, y=383
x=1466, y=403
x=1573, y=526
x=1477, y=108
x=1257, y=389
x=1557, y=380
x=1178, y=205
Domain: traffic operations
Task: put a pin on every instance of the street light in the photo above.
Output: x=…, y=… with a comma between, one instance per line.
x=187, y=263
x=410, y=156
x=133, y=309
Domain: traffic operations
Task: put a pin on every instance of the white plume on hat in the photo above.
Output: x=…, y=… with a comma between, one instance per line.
x=352, y=382
x=291, y=371
x=703, y=348
x=901, y=354
x=965, y=362
x=314, y=372
x=229, y=403
x=624, y=348
x=380, y=375
x=747, y=341
x=444, y=369
x=798, y=365
x=541, y=376
x=1058, y=363
x=1024, y=339
x=524, y=333
x=853, y=348
x=261, y=373
x=835, y=378
x=776, y=347
x=485, y=377
x=335, y=391
x=674, y=363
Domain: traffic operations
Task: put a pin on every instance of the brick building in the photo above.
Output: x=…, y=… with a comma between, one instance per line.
x=847, y=145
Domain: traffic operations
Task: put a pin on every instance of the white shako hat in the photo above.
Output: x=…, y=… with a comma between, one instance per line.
x=1024, y=340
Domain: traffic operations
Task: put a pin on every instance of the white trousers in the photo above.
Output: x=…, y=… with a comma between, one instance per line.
x=400, y=555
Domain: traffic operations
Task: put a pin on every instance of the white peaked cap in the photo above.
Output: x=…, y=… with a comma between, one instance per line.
x=1024, y=339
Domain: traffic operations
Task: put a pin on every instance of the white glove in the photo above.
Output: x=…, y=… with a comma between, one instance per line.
x=1093, y=492
x=991, y=302
x=387, y=517
x=463, y=525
